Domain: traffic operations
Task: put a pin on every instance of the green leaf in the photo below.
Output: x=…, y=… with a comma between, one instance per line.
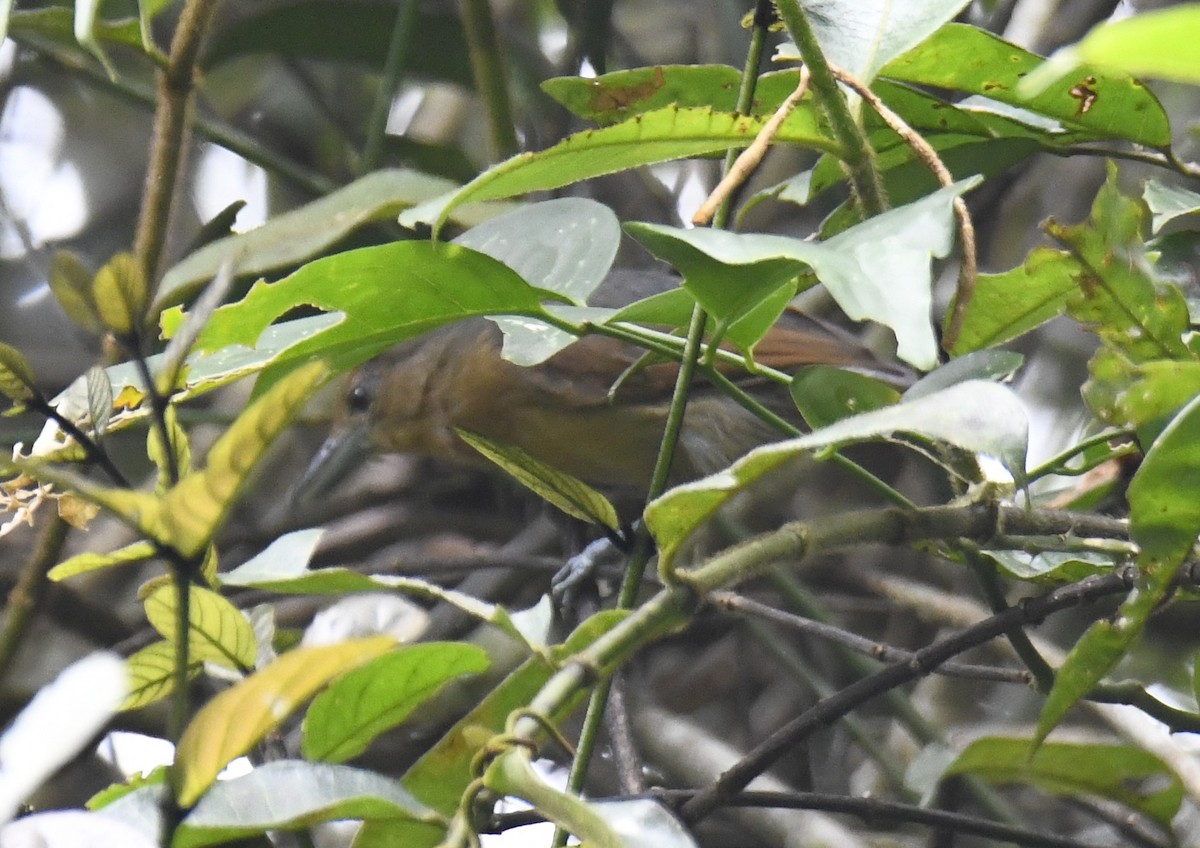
x=1052, y=568
x=1164, y=520
x=204, y=372
x=279, y=795
x=120, y=292
x=1129, y=776
x=1093, y=656
x=965, y=58
x=1164, y=495
x=863, y=37
x=1159, y=44
x=825, y=394
x=729, y=275
x=301, y=234
x=1012, y=303
x=17, y=382
x=71, y=284
x=568, y=493
x=1196, y=678
x=626, y=824
x=291, y=576
x=218, y=632
x=1144, y=396
x=565, y=245
x=344, y=719
x=217, y=227
x=237, y=719
x=1118, y=294
x=387, y=293
x=980, y=365
x=85, y=562
x=180, y=448
x=87, y=16
x=439, y=777
x=1168, y=202
x=878, y=270
x=58, y=25
x=293, y=795
x=613, y=97
x=289, y=553
x=67, y=827
x=194, y=509
x=977, y=417
x=152, y=674
x=658, y=136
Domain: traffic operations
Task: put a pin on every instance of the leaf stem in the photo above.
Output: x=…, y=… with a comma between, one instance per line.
x=643, y=544
x=1054, y=464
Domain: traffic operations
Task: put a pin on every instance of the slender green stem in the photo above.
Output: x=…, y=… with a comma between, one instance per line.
x=643, y=546
x=491, y=78
x=783, y=426
x=1168, y=159
x=857, y=154
x=158, y=409
x=180, y=706
x=993, y=592
x=393, y=69
x=1054, y=464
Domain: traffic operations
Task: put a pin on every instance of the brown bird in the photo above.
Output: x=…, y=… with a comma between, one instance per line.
x=564, y=411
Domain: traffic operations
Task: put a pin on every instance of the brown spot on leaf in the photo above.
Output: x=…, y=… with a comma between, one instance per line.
x=617, y=98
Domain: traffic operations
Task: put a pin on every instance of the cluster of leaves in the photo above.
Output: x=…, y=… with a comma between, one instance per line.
x=1108, y=273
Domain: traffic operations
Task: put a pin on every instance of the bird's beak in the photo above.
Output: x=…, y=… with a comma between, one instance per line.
x=340, y=454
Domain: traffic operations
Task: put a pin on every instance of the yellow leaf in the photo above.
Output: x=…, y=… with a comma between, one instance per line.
x=236, y=720
x=218, y=632
x=16, y=377
x=570, y=494
x=120, y=293
x=82, y=563
x=196, y=506
x=152, y=675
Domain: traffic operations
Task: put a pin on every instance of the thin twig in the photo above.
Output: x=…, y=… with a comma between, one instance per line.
x=750, y=158
x=26, y=596
x=923, y=662
x=867, y=647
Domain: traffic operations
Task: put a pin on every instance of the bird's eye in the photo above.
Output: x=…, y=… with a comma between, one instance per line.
x=358, y=399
